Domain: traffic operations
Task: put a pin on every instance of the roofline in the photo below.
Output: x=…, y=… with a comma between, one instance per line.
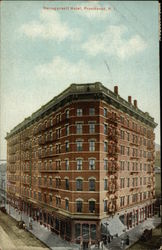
x=90, y=88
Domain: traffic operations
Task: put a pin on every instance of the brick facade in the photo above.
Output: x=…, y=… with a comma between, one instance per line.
x=83, y=157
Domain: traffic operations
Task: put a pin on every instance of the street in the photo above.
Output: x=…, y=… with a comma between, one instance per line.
x=13, y=238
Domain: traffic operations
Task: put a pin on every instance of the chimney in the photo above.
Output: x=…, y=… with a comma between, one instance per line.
x=116, y=90
x=129, y=99
x=135, y=103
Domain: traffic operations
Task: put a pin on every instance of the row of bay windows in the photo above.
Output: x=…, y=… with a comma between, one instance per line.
x=134, y=198
x=135, y=181
x=135, y=166
x=134, y=152
x=125, y=135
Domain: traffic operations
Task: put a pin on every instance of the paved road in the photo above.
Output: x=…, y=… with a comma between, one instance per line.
x=13, y=238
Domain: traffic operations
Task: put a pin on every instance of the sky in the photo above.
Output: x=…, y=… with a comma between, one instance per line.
x=47, y=45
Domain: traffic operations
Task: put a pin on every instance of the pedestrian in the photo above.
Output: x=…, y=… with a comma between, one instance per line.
x=122, y=243
x=127, y=240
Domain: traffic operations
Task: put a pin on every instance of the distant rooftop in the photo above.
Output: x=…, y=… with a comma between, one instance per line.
x=85, y=89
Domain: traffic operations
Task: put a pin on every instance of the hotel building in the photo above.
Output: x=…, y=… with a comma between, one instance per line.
x=82, y=163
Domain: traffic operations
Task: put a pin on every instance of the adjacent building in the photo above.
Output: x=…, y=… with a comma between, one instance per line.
x=84, y=159
x=3, y=184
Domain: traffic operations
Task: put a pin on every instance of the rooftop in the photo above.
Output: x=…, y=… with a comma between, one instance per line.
x=86, y=89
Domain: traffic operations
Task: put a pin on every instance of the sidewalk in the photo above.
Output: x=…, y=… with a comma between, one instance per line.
x=134, y=234
x=54, y=242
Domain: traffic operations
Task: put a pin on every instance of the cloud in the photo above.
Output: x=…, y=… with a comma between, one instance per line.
x=113, y=43
x=50, y=26
x=61, y=71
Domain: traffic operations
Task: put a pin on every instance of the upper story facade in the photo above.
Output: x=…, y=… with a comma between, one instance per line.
x=87, y=152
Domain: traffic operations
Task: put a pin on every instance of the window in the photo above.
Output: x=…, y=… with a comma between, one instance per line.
x=79, y=145
x=140, y=181
x=58, y=133
x=140, y=196
x=58, y=182
x=122, y=165
x=128, y=182
x=58, y=201
x=144, y=167
x=105, y=164
x=92, y=146
x=58, y=118
x=50, y=198
x=144, y=195
x=91, y=128
x=67, y=184
x=79, y=112
x=79, y=128
x=144, y=181
x=50, y=181
x=127, y=122
x=105, y=184
x=122, y=182
x=105, y=146
x=105, y=112
x=128, y=136
x=67, y=113
x=128, y=151
x=67, y=204
x=67, y=164
x=77, y=230
x=91, y=185
x=105, y=205
x=58, y=165
x=79, y=164
x=79, y=184
x=67, y=129
x=105, y=129
x=39, y=196
x=122, y=201
x=91, y=111
x=79, y=206
x=122, y=119
x=134, y=197
x=91, y=164
x=58, y=148
x=122, y=134
x=128, y=165
x=67, y=146
x=122, y=150
x=91, y=206
x=128, y=199
x=45, y=180
x=93, y=231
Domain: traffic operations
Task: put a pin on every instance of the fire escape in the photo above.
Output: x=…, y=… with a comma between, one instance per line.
x=113, y=151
